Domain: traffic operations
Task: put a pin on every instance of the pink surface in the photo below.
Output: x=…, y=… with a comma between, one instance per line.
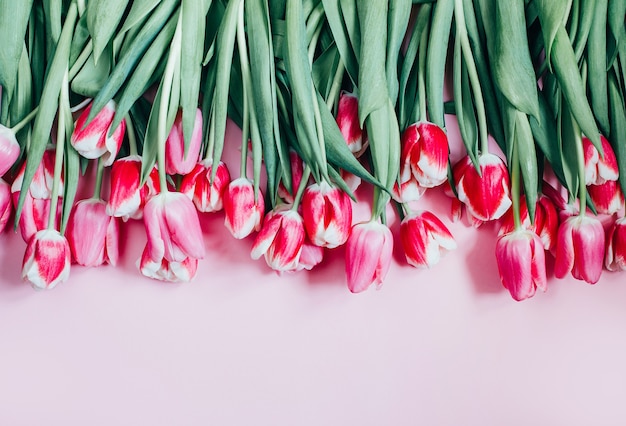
x=242, y=346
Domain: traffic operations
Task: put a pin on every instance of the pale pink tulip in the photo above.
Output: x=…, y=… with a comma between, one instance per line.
x=424, y=239
x=177, y=161
x=327, y=214
x=280, y=239
x=46, y=260
x=93, y=140
x=207, y=196
x=580, y=249
x=92, y=234
x=615, y=258
x=521, y=263
x=9, y=149
x=242, y=214
x=607, y=197
x=128, y=197
x=348, y=123
x=368, y=255
x=6, y=204
x=486, y=196
x=164, y=270
x=599, y=169
x=173, y=228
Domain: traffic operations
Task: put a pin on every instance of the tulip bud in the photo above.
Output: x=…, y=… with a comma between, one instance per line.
x=92, y=234
x=327, y=214
x=280, y=239
x=9, y=149
x=128, y=198
x=545, y=224
x=599, y=170
x=615, y=258
x=176, y=161
x=93, y=140
x=521, y=263
x=242, y=214
x=368, y=255
x=348, y=123
x=47, y=259
x=424, y=237
x=207, y=196
x=580, y=249
x=424, y=154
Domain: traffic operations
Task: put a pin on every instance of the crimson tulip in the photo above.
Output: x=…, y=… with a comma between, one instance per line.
x=607, y=197
x=242, y=213
x=424, y=237
x=348, y=123
x=280, y=239
x=128, y=197
x=327, y=214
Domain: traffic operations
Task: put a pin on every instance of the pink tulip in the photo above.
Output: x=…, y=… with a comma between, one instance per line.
x=297, y=169
x=607, y=197
x=92, y=234
x=521, y=263
x=545, y=224
x=207, y=196
x=280, y=239
x=93, y=140
x=424, y=154
x=176, y=161
x=348, y=122
x=599, y=170
x=615, y=258
x=43, y=179
x=164, y=270
x=6, y=204
x=9, y=149
x=35, y=214
x=47, y=259
x=368, y=255
x=580, y=249
x=310, y=256
x=486, y=196
x=407, y=191
x=327, y=214
x=128, y=198
x=173, y=228
x=424, y=237
x=242, y=214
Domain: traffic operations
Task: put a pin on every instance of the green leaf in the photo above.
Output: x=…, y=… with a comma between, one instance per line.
x=399, y=13
x=527, y=160
x=569, y=139
x=436, y=61
x=584, y=26
x=596, y=66
x=464, y=107
x=138, y=11
x=92, y=77
x=21, y=103
x=545, y=135
x=103, y=17
x=552, y=15
x=617, y=119
x=13, y=24
x=340, y=35
x=71, y=174
x=617, y=9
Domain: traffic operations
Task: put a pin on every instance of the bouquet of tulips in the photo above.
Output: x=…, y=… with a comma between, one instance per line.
x=330, y=96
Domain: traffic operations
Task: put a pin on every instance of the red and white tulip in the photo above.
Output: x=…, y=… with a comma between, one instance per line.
x=46, y=260
x=206, y=195
x=348, y=123
x=599, y=169
x=128, y=197
x=327, y=214
x=580, y=249
x=424, y=239
x=280, y=240
x=93, y=140
x=9, y=149
x=615, y=257
x=607, y=197
x=93, y=235
x=242, y=213
x=177, y=161
x=164, y=270
x=424, y=154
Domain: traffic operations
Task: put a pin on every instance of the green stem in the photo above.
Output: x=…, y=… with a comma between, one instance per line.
x=319, y=127
x=132, y=139
x=515, y=186
x=303, y=184
x=98, y=186
x=245, y=73
x=582, y=189
x=421, y=81
x=333, y=93
x=466, y=49
x=19, y=126
x=81, y=60
x=60, y=148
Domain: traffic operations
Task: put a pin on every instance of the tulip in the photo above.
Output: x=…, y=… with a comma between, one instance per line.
x=407, y=191
x=310, y=256
x=297, y=170
x=424, y=154
x=545, y=224
x=599, y=169
x=280, y=239
x=424, y=237
x=43, y=179
x=348, y=123
x=580, y=249
x=368, y=255
x=128, y=197
x=327, y=214
x=607, y=197
x=242, y=213
x=173, y=228
x=352, y=181
x=35, y=214
x=486, y=196
x=615, y=258
x=521, y=263
x=177, y=161
x=207, y=196
x=92, y=234
x=9, y=149
x=47, y=259
x=6, y=204
x=164, y=270
x=93, y=140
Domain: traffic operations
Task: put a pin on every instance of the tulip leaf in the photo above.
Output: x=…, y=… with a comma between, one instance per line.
x=103, y=17
x=71, y=174
x=436, y=62
x=139, y=9
x=464, y=107
x=92, y=76
x=552, y=15
x=398, y=20
x=596, y=66
x=13, y=24
x=79, y=39
x=21, y=103
x=617, y=118
x=570, y=139
x=587, y=10
x=617, y=9
x=349, y=15
x=527, y=160
x=340, y=37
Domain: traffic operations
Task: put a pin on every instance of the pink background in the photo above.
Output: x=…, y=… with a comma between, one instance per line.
x=242, y=346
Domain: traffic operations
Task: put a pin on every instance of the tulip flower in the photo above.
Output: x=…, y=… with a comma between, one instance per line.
x=607, y=197
x=521, y=263
x=242, y=214
x=599, y=169
x=128, y=197
x=545, y=224
x=164, y=270
x=348, y=123
x=207, y=196
x=424, y=154
x=297, y=170
x=43, y=179
x=486, y=196
x=177, y=161
x=92, y=234
x=46, y=260
x=6, y=204
x=424, y=237
x=173, y=228
x=310, y=256
x=327, y=214
x=9, y=149
x=407, y=191
x=93, y=140
x=280, y=239
x=368, y=255
x=615, y=258
x=580, y=249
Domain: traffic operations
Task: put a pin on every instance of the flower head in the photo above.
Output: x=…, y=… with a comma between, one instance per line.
x=599, y=169
x=242, y=213
x=424, y=237
x=9, y=149
x=128, y=196
x=348, y=123
x=47, y=259
x=368, y=255
x=615, y=258
x=424, y=154
x=206, y=195
x=93, y=140
x=327, y=214
x=280, y=239
x=92, y=234
x=580, y=249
